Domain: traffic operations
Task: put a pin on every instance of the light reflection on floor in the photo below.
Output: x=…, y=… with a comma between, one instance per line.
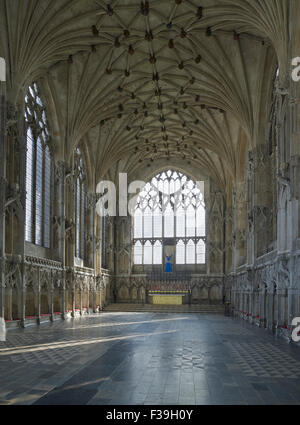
x=148, y=358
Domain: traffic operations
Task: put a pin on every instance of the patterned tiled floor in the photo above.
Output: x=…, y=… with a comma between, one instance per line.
x=264, y=360
x=148, y=358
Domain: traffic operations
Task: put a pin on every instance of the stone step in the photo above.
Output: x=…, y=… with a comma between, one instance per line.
x=201, y=309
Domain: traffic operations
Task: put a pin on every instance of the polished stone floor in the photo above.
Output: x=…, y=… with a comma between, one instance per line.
x=148, y=358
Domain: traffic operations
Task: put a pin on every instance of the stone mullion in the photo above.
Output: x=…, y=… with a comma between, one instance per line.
x=91, y=248
x=254, y=208
x=22, y=178
x=97, y=244
x=240, y=224
x=228, y=239
x=61, y=210
x=59, y=201
x=71, y=226
x=263, y=200
x=250, y=247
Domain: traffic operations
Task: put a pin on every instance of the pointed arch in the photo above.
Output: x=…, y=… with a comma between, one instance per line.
x=171, y=205
x=38, y=170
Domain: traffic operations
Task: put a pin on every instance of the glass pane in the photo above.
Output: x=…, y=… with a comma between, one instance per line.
x=29, y=186
x=31, y=92
x=138, y=253
x=201, y=221
x=180, y=222
x=190, y=221
x=39, y=101
x=190, y=253
x=180, y=253
x=148, y=223
x=157, y=253
x=39, y=193
x=157, y=219
x=82, y=224
x=148, y=253
x=78, y=218
x=169, y=222
x=138, y=224
x=200, y=252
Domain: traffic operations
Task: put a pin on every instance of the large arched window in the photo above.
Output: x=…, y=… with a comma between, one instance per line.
x=38, y=171
x=80, y=204
x=170, y=208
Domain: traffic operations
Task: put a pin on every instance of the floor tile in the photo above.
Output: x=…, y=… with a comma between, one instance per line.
x=148, y=358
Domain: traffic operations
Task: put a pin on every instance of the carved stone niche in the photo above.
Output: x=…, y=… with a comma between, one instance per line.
x=70, y=231
x=59, y=171
x=12, y=121
x=261, y=157
x=295, y=174
x=283, y=273
x=250, y=277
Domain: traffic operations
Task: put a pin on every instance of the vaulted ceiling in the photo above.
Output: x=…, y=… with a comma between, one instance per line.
x=140, y=81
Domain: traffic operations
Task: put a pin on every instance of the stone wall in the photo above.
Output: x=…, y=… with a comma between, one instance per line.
x=37, y=289
x=203, y=289
x=268, y=294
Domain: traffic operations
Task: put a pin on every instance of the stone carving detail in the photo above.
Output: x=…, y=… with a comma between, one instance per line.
x=270, y=285
x=204, y=290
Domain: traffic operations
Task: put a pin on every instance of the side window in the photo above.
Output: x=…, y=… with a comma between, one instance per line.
x=38, y=170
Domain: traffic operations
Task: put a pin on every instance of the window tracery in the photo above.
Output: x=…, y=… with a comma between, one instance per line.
x=170, y=207
x=38, y=170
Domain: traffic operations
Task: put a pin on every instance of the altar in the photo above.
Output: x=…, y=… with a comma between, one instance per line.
x=168, y=288
x=166, y=299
